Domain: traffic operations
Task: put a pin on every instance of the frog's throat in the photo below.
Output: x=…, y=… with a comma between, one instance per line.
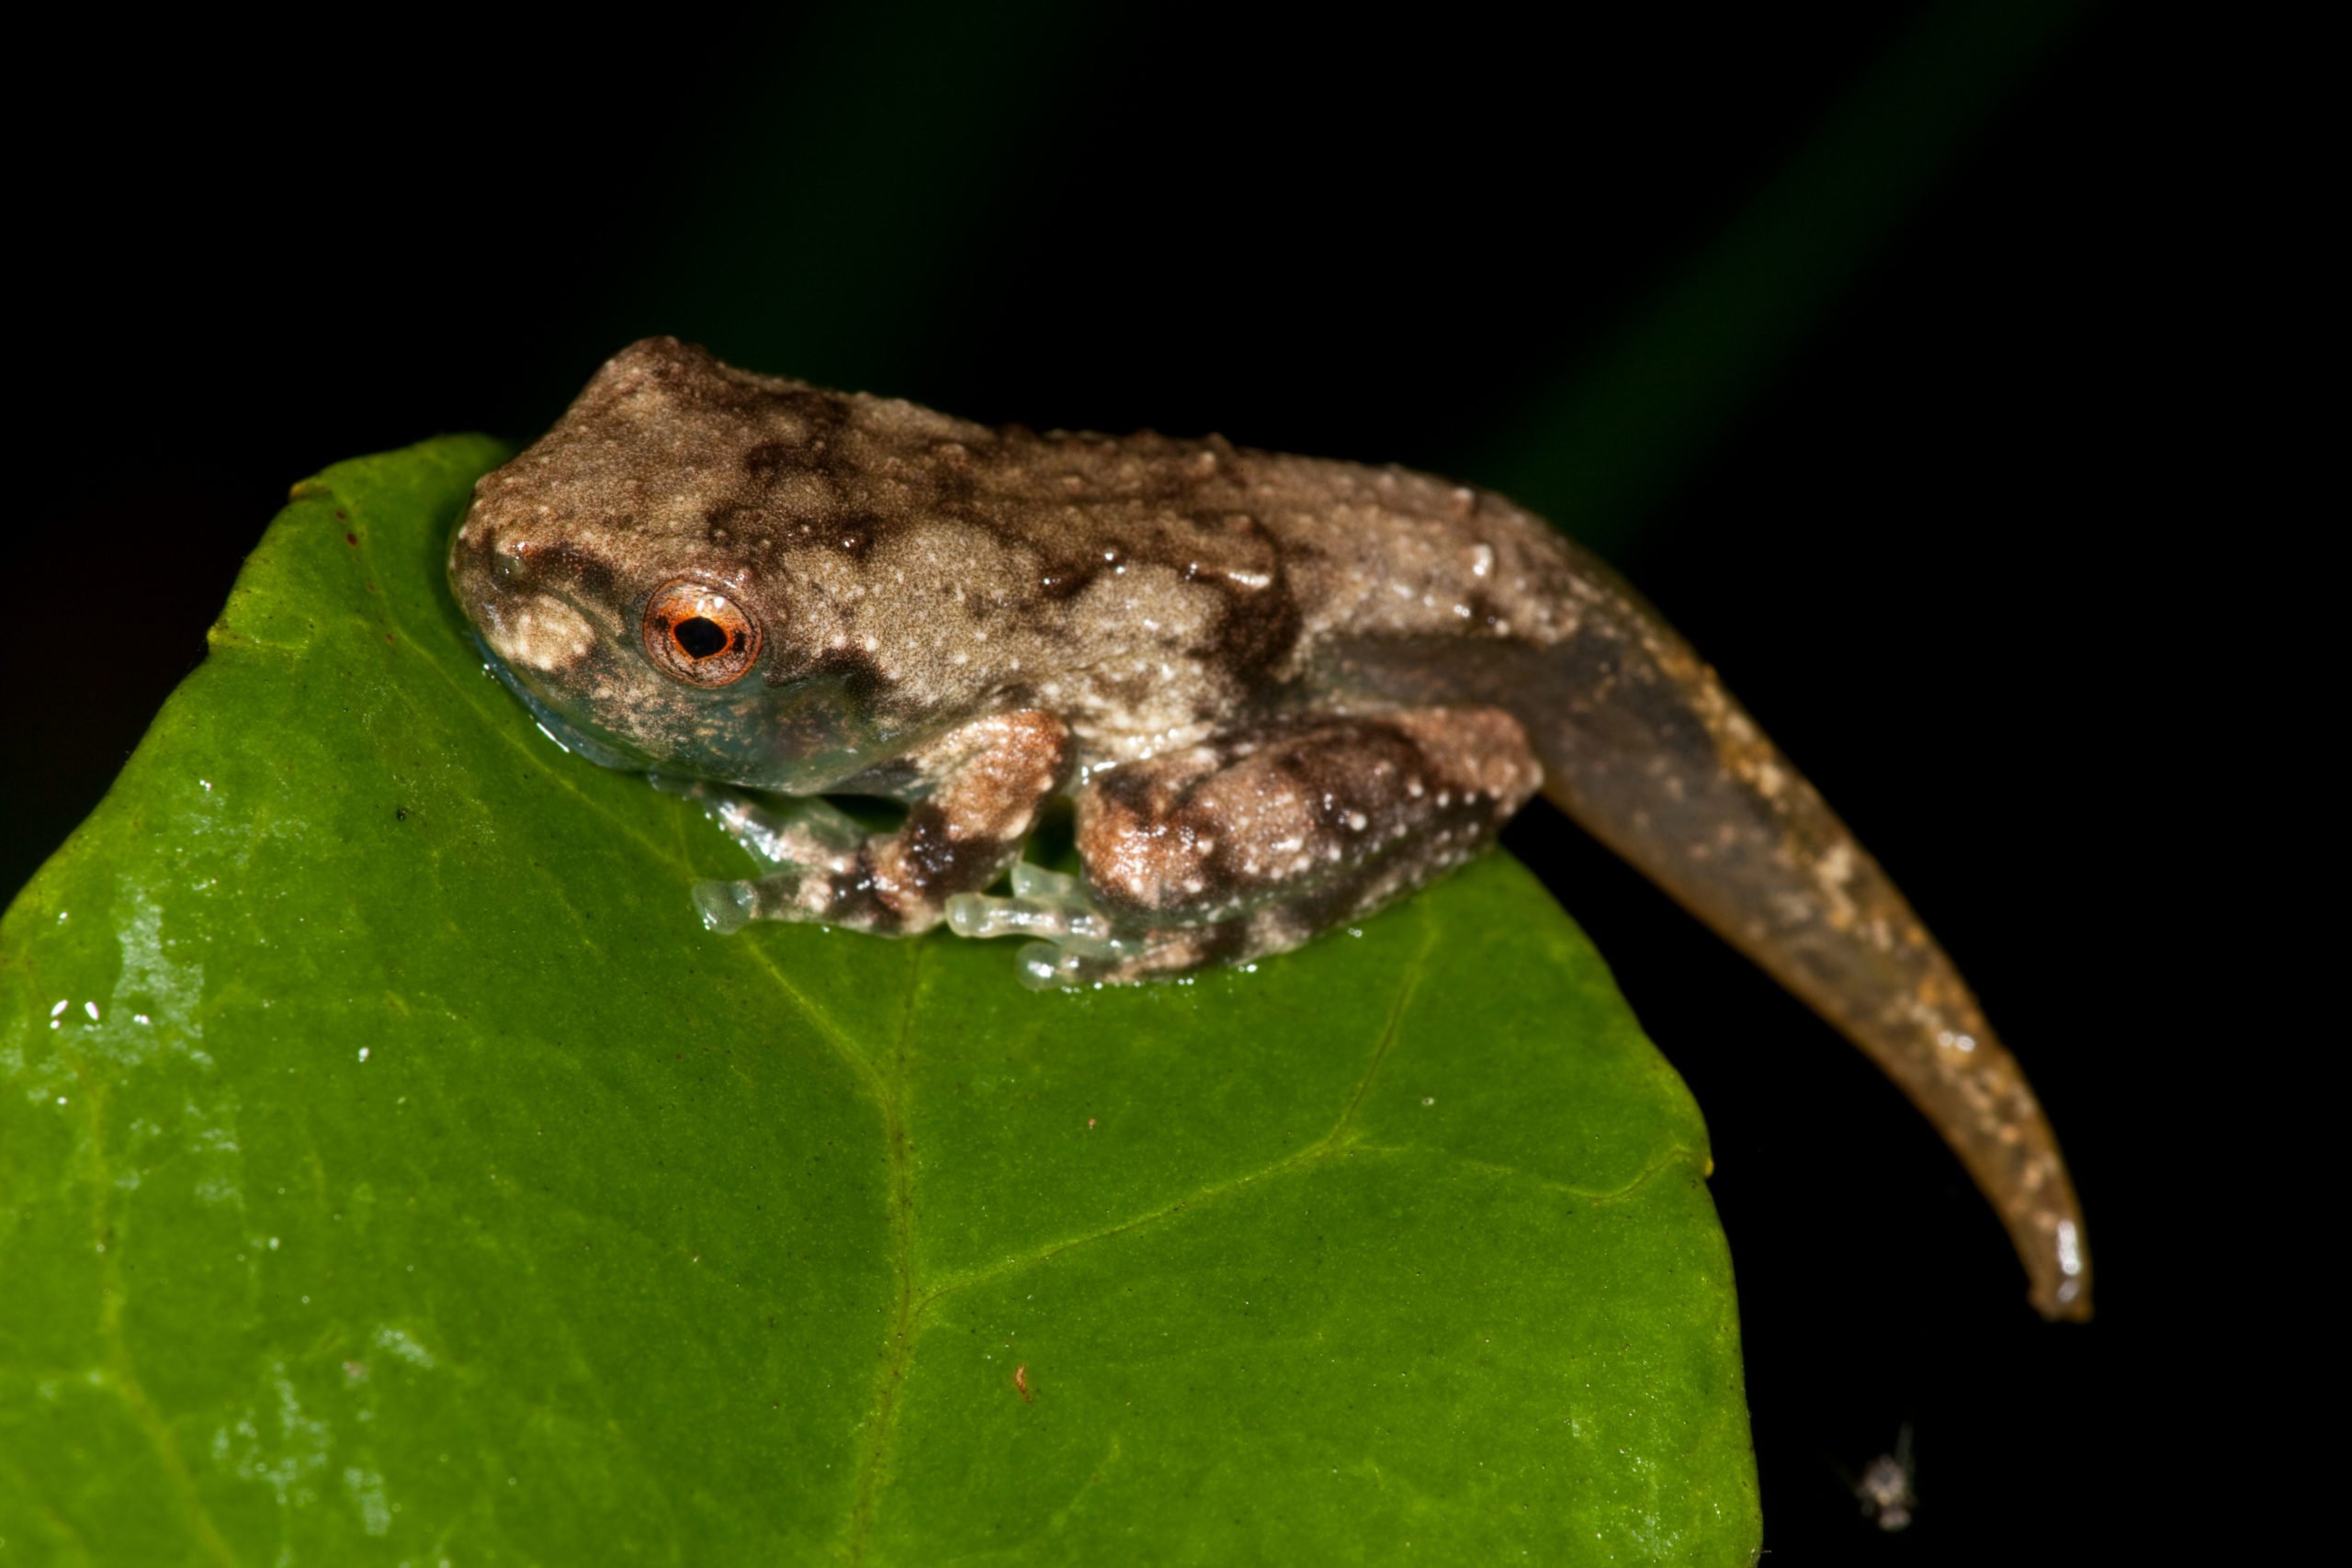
x=602, y=752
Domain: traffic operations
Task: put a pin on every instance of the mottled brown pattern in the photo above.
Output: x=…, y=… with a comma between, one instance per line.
x=1207, y=572
x=1285, y=810
x=1229, y=656
x=1253, y=844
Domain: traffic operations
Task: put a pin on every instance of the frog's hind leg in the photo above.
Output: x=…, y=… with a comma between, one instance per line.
x=1256, y=841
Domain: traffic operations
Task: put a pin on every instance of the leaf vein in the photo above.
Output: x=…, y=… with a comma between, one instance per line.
x=1597, y=1196
x=1333, y=1140
x=898, y=1356
x=126, y=1373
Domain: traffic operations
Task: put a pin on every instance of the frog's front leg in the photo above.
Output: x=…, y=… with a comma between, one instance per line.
x=1252, y=842
x=810, y=832
x=987, y=781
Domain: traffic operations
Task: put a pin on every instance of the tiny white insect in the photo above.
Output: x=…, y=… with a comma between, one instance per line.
x=1888, y=1486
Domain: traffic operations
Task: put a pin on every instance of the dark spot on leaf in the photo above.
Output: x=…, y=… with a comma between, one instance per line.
x=351, y=538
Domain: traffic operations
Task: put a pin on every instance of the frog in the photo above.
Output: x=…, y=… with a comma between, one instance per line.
x=1268, y=694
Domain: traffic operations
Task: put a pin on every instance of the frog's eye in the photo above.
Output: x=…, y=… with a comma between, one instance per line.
x=699, y=635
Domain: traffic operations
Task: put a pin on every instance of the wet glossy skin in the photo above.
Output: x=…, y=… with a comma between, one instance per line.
x=1278, y=691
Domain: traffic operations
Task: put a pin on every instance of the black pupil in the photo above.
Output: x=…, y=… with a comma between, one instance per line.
x=701, y=636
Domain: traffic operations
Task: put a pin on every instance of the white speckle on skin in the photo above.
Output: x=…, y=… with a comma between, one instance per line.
x=542, y=633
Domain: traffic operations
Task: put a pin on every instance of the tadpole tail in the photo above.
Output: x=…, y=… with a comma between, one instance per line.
x=1650, y=754
x=1644, y=749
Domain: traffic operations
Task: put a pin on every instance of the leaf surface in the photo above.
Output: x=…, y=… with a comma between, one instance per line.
x=393, y=1170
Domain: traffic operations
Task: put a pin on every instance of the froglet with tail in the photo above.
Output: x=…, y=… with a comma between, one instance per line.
x=1278, y=692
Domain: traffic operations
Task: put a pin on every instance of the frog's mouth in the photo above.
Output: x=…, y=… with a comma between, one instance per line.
x=602, y=749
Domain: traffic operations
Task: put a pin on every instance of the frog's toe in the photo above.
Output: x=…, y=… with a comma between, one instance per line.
x=1044, y=904
x=726, y=905
x=731, y=906
x=1045, y=966
x=1080, y=944
x=1061, y=965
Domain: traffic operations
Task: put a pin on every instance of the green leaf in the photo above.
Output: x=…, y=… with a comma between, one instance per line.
x=393, y=1170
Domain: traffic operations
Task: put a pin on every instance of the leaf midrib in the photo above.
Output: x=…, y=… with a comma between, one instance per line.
x=917, y=1302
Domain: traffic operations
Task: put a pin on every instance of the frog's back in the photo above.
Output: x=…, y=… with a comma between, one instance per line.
x=1280, y=555
x=1336, y=549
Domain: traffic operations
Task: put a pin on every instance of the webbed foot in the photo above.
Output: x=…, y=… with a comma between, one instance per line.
x=1079, y=945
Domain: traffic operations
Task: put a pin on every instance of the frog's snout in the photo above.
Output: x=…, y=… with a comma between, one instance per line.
x=502, y=589
x=478, y=569
x=487, y=559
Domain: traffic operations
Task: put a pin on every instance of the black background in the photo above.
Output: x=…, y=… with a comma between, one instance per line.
x=1898, y=297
